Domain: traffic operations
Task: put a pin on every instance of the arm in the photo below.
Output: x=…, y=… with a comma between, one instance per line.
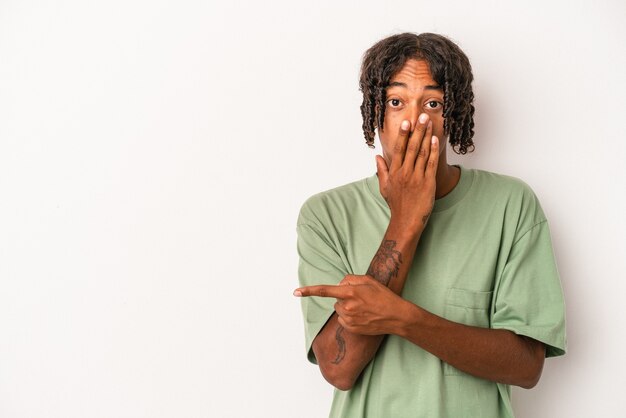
x=342, y=354
x=409, y=188
x=494, y=354
x=368, y=308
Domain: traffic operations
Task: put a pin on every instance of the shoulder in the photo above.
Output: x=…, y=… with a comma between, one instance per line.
x=501, y=183
x=515, y=196
x=334, y=202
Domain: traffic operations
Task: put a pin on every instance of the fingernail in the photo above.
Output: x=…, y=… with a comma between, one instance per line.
x=434, y=139
x=297, y=293
x=423, y=118
x=405, y=125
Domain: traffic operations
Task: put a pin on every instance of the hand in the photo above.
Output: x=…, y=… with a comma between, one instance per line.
x=408, y=185
x=364, y=306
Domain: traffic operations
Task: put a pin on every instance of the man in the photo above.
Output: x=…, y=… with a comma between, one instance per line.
x=462, y=297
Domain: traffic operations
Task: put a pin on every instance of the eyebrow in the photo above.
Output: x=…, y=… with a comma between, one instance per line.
x=399, y=84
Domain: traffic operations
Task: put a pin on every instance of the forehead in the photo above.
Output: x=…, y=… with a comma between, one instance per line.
x=414, y=72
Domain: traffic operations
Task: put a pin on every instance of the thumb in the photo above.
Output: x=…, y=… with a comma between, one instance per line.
x=354, y=280
x=383, y=172
x=382, y=169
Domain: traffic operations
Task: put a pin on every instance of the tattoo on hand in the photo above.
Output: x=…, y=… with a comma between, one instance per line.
x=341, y=345
x=386, y=262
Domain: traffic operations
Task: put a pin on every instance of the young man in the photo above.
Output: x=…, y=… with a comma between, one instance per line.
x=462, y=297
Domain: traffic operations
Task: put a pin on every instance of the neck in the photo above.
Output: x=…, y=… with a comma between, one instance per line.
x=447, y=177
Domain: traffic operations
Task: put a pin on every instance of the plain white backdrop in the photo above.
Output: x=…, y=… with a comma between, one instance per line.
x=154, y=156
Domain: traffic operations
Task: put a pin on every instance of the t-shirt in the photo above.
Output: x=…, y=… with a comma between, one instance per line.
x=484, y=259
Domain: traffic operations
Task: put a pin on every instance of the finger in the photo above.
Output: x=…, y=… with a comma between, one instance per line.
x=354, y=280
x=339, y=309
x=433, y=159
x=348, y=279
x=323, y=291
x=415, y=141
x=424, y=152
x=383, y=172
x=342, y=322
x=399, y=148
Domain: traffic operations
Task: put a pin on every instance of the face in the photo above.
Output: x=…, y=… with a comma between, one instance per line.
x=411, y=92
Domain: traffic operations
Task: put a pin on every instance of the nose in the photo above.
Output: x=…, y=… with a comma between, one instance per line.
x=414, y=113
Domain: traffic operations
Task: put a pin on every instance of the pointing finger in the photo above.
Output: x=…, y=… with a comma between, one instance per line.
x=324, y=291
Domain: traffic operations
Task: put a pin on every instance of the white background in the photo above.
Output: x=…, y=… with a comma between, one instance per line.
x=154, y=156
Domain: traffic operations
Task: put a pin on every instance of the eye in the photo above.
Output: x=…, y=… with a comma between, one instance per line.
x=394, y=102
x=434, y=105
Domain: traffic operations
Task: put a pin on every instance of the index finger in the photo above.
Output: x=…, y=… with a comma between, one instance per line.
x=323, y=291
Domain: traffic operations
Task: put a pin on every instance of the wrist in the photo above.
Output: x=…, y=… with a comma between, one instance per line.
x=403, y=229
x=409, y=317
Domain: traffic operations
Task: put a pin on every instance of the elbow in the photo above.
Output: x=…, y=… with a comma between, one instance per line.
x=337, y=377
x=336, y=374
x=529, y=383
x=531, y=374
x=342, y=385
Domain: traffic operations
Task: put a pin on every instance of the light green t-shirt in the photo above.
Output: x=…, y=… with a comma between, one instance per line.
x=485, y=259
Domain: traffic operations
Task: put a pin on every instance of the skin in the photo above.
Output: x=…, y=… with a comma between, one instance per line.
x=412, y=92
x=412, y=173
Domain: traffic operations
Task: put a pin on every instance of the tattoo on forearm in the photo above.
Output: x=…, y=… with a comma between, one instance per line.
x=386, y=262
x=341, y=345
x=425, y=218
x=384, y=266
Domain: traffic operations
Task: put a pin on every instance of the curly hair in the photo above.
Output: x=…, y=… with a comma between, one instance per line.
x=449, y=67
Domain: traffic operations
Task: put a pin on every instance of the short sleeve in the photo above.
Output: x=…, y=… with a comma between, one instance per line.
x=528, y=298
x=319, y=264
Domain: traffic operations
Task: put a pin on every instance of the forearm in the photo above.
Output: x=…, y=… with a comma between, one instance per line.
x=341, y=354
x=493, y=354
x=408, y=186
